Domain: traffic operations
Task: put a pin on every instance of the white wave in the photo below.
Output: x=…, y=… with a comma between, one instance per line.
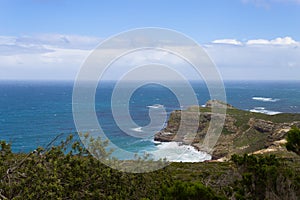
x=264, y=111
x=156, y=142
x=138, y=129
x=265, y=99
x=175, y=152
x=155, y=106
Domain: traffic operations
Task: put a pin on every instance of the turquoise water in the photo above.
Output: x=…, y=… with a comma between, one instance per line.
x=32, y=113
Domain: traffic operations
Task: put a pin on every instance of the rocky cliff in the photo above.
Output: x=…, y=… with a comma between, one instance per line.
x=243, y=131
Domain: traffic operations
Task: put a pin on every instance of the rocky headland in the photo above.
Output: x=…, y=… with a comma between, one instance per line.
x=243, y=131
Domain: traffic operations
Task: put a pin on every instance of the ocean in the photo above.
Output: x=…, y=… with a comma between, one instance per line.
x=32, y=113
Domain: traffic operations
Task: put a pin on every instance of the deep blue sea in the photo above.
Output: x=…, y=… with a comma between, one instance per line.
x=32, y=113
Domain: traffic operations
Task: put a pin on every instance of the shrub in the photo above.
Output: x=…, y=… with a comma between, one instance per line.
x=293, y=140
x=189, y=191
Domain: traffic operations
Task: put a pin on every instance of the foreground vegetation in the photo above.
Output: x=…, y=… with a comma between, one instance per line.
x=51, y=173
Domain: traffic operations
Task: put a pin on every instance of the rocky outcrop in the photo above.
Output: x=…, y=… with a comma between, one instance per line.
x=262, y=125
x=243, y=131
x=217, y=103
x=163, y=136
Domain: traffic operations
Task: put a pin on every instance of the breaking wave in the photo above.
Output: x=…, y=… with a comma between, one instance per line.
x=138, y=129
x=156, y=106
x=176, y=152
x=265, y=99
x=264, y=111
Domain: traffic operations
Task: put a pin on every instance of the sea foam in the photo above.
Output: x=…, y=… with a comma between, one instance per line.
x=176, y=152
x=265, y=99
x=156, y=106
x=264, y=111
x=138, y=129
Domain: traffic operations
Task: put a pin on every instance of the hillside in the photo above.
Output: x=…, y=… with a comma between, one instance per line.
x=243, y=131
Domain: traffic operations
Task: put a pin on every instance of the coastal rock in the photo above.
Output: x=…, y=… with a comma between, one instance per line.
x=163, y=136
x=262, y=125
x=218, y=104
x=243, y=131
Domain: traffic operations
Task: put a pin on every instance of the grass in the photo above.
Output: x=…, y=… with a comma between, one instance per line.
x=252, y=141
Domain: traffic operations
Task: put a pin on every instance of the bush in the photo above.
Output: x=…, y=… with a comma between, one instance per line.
x=189, y=191
x=293, y=140
x=263, y=177
x=53, y=173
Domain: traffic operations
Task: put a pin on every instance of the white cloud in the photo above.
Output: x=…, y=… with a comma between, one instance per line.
x=257, y=41
x=55, y=56
x=47, y=56
x=59, y=40
x=7, y=40
x=60, y=57
x=258, y=59
x=277, y=41
x=227, y=41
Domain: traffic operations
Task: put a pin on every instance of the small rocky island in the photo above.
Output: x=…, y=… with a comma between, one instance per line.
x=243, y=131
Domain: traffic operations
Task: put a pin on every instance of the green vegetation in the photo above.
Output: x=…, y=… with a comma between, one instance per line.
x=69, y=171
x=293, y=140
x=243, y=131
x=54, y=174
x=259, y=177
x=189, y=191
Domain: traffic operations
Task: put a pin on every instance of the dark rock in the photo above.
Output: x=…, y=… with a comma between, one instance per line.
x=164, y=136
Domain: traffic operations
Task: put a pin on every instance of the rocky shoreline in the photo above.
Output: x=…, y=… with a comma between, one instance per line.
x=243, y=131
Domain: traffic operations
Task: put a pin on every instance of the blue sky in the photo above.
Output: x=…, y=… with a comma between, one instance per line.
x=49, y=39
x=203, y=20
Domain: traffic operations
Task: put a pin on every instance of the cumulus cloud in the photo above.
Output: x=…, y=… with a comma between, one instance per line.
x=227, y=41
x=277, y=41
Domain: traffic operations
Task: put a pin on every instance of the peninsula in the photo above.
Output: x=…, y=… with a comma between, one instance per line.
x=243, y=131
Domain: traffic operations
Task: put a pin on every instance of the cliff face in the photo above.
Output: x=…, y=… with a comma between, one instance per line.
x=243, y=131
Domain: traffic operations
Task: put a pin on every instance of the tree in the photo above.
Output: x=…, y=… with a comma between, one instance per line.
x=293, y=140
